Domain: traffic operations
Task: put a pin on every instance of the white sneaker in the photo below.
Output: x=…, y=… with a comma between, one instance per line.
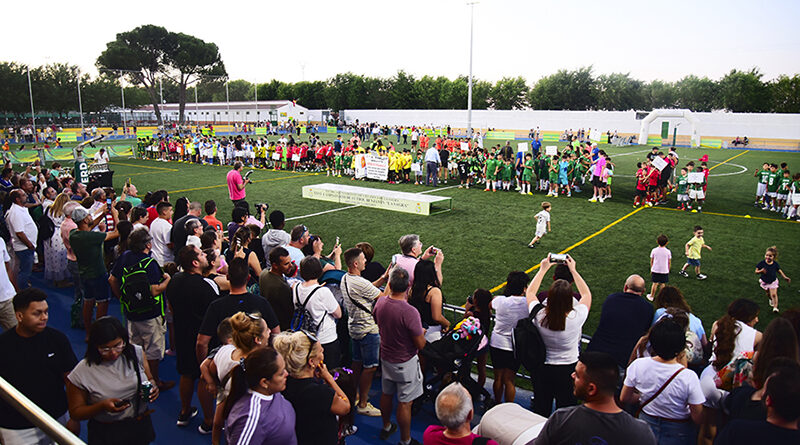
x=593, y=199
x=650, y=297
x=368, y=410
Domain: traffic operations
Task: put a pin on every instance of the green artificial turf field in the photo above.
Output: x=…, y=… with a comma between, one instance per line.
x=485, y=235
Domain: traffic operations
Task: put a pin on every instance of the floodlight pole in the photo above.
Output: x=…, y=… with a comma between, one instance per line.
x=255, y=90
x=228, y=101
x=124, y=121
x=196, y=107
x=469, y=89
x=33, y=114
x=80, y=103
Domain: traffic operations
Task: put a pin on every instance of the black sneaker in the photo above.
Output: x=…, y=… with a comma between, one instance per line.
x=683, y=273
x=386, y=434
x=205, y=429
x=412, y=442
x=184, y=419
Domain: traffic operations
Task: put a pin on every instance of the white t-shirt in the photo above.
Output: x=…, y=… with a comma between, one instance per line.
x=7, y=291
x=648, y=375
x=101, y=158
x=562, y=346
x=160, y=229
x=542, y=218
x=19, y=220
x=225, y=364
x=194, y=240
x=321, y=305
x=507, y=311
x=296, y=254
x=745, y=340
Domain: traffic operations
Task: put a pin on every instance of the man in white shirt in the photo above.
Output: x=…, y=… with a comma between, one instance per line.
x=432, y=162
x=23, y=235
x=101, y=157
x=160, y=230
x=8, y=288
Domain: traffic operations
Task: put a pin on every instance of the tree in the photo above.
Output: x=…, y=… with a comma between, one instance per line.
x=619, y=92
x=697, y=94
x=401, y=92
x=742, y=91
x=509, y=93
x=785, y=92
x=344, y=91
x=428, y=92
x=309, y=94
x=190, y=58
x=142, y=54
x=658, y=94
x=565, y=90
x=13, y=88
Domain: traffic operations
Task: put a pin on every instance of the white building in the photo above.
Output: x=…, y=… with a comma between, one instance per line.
x=278, y=111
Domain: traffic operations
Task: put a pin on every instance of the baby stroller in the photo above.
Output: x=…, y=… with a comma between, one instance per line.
x=451, y=360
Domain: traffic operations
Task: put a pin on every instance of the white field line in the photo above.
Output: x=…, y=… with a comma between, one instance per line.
x=354, y=206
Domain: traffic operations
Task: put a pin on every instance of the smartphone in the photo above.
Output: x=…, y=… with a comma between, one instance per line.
x=337, y=240
x=558, y=258
x=121, y=403
x=108, y=201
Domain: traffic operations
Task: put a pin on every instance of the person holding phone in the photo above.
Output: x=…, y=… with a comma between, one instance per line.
x=237, y=183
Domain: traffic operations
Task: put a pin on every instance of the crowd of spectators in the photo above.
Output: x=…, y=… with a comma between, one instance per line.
x=281, y=341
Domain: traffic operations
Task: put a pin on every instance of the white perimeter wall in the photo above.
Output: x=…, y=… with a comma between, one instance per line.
x=726, y=125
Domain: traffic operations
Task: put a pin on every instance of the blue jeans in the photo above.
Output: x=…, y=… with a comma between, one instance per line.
x=367, y=350
x=25, y=258
x=671, y=433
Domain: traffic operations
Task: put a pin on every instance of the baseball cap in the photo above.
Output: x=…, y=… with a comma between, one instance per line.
x=79, y=214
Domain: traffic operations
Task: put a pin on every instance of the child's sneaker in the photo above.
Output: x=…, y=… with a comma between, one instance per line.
x=775, y=309
x=701, y=276
x=683, y=273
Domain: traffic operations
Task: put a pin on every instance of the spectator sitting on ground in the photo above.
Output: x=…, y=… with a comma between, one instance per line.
x=598, y=419
x=455, y=412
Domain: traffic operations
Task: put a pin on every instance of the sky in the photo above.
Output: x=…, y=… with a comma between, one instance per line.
x=314, y=40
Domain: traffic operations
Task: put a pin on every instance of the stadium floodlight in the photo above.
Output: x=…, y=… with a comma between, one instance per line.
x=469, y=87
x=33, y=114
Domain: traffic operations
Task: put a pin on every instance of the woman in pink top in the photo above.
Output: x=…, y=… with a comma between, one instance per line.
x=236, y=183
x=599, y=167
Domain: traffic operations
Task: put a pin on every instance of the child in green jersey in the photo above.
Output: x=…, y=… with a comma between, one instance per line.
x=683, y=189
x=527, y=175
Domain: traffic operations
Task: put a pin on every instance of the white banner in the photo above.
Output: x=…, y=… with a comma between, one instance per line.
x=659, y=163
x=522, y=147
x=696, y=177
x=360, y=166
x=595, y=135
x=551, y=150
x=377, y=167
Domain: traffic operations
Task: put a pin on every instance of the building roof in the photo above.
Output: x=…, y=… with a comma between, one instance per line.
x=206, y=106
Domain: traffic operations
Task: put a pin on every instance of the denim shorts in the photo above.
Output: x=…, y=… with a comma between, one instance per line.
x=693, y=262
x=366, y=350
x=96, y=288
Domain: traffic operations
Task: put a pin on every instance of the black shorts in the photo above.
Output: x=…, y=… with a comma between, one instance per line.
x=187, y=363
x=503, y=359
x=597, y=182
x=662, y=181
x=659, y=277
x=652, y=188
x=641, y=193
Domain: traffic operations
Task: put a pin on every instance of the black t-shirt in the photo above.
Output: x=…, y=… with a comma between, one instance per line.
x=189, y=295
x=275, y=289
x=226, y=306
x=312, y=400
x=740, y=406
x=770, y=271
x=748, y=432
x=373, y=271
x=36, y=367
x=579, y=424
x=444, y=155
x=625, y=317
x=178, y=234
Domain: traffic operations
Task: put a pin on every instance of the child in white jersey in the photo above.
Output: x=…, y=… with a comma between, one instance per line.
x=542, y=224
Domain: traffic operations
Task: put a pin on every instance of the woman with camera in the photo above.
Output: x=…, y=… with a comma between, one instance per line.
x=112, y=386
x=560, y=324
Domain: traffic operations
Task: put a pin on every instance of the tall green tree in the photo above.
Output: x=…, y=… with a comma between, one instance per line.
x=509, y=93
x=697, y=94
x=785, y=93
x=189, y=59
x=565, y=90
x=13, y=88
x=743, y=91
x=618, y=92
x=401, y=92
x=143, y=55
x=658, y=94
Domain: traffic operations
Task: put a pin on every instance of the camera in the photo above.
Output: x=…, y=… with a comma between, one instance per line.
x=558, y=258
x=261, y=207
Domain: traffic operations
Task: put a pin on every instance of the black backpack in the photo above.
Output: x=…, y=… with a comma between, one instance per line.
x=46, y=227
x=529, y=347
x=136, y=297
x=302, y=320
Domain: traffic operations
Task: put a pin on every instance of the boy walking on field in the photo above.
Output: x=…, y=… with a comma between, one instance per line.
x=542, y=224
x=693, y=250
